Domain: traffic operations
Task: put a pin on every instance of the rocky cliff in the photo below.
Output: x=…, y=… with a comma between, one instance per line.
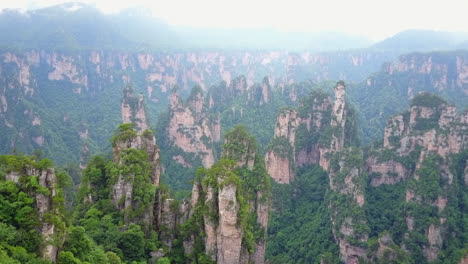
x=37, y=181
x=419, y=146
x=230, y=204
x=346, y=204
x=135, y=146
x=63, y=81
x=192, y=129
x=391, y=89
x=305, y=136
x=317, y=133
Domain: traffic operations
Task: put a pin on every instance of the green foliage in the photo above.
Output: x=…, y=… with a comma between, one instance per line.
x=78, y=243
x=19, y=217
x=124, y=133
x=252, y=188
x=239, y=144
x=282, y=147
x=427, y=100
x=299, y=230
x=132, y=243
x=385, y=210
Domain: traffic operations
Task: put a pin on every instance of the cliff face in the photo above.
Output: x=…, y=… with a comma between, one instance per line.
x=398, y=82
x=192, y=129
x=45, y=205
x=416, y=145
x=47, y=208
x=228, y=232
x=443, y=73
x=52, y=80
x=306, y=136
x=133, y=110
x=316, y=134
x=135, y=145
x=346, y=203
x=347, y=182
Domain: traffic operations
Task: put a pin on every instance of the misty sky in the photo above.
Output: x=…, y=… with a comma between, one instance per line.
x=375, y=19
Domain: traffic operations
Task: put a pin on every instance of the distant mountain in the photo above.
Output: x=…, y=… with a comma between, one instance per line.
x=423, y=40
x=77, y=25
x=69, y=25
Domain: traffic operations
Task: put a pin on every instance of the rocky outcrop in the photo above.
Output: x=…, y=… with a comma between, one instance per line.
x=240, y=87
x=227, y=232
x=191, y=128
x=308, y=135
x=417, y=147
x=443, y=74
x=167, y=220
x=338, y=120
x=430, y=127
x=260, y=93
x=386, y=172
x=46, y=207
x=133, y=109
x=291, y=145
x=133, y=112
x=132, y=137
x=279, y=167
x=347, y=183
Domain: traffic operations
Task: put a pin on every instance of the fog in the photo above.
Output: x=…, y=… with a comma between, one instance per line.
x=373, y=19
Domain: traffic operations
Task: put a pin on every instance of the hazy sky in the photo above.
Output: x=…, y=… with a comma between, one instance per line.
x=375, y=19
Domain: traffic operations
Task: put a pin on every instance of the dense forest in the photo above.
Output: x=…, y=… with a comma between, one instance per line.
x=128, y=140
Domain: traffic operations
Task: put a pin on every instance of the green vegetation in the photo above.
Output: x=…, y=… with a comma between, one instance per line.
x=252, y=186
x=299, y=230
x=427, y=100
x=20, y=242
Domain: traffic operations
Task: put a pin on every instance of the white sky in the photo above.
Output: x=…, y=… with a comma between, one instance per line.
x=375, y=19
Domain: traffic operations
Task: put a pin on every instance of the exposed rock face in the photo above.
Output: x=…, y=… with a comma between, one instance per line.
x=260, y=93
x=286, y=153
x=346, y=181
x=44, y=205
x=386, y=172
x=167, y=221
x=133, y=110
x=279, y=167
x=434, y=237
x=225, y=235
x=229, y=235
x=191, y=128
x=422, y=140
x=339, y=118
x=424, y=130
x=443, y=74
x=122, y=191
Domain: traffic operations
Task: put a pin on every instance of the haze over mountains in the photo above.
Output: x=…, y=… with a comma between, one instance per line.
x=77, y=25
x=125, y=139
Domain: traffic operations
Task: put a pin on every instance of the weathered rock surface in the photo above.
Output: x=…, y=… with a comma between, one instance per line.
x=45, y=205
x=430, y=129
x=386, y=172
x=285, y=153
x=223, y=226
x=191, y=128
x=141, y=138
